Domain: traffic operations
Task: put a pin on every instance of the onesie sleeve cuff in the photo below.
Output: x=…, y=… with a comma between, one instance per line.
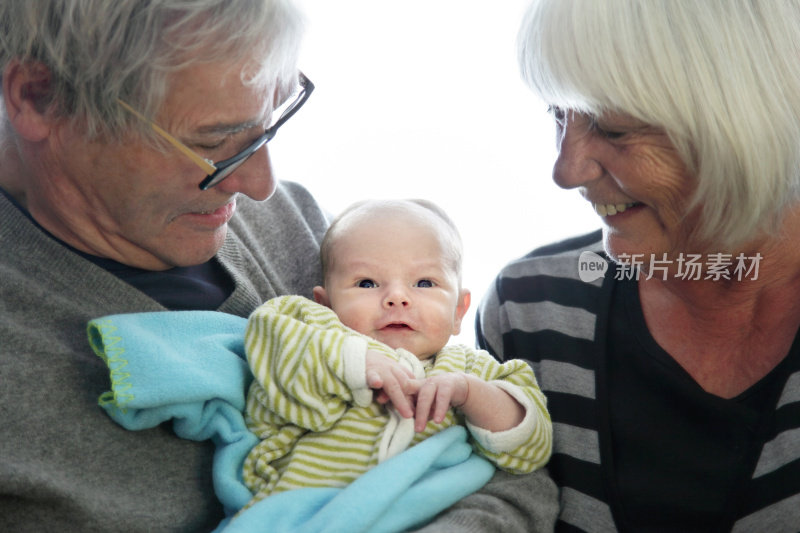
x=509, y=439
x=354, y=355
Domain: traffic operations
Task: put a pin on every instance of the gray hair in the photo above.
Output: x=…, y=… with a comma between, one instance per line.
x=98, y=51
x=721, y=77
x=360, y=211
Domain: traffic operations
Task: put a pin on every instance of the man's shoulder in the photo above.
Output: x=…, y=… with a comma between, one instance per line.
x=290, y=201
x=274, y=244
x=288, y=218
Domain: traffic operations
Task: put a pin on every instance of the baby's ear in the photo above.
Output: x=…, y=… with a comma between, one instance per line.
x=464, y=299
x=321, y=296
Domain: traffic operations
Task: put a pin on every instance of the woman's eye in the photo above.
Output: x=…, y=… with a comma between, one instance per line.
x=425, y=283
x=559, y=115
x=609, y=134
x=605, y=132
x=366, y=284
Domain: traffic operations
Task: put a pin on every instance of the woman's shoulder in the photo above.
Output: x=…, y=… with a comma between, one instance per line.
x=590, y=241
x=560, y=259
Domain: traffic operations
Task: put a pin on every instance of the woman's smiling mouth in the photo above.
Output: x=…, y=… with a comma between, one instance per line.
x=612, y=209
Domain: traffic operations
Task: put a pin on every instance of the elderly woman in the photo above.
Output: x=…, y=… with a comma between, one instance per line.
x=673, y=377
x=133, y=176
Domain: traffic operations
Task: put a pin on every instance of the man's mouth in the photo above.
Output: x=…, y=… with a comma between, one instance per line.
x=218, y=210
x=213, y=217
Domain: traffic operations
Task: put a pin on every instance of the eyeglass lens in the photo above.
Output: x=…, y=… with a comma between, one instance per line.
x=281, y=113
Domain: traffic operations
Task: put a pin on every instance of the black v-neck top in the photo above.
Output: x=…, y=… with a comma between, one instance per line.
x=679, y=453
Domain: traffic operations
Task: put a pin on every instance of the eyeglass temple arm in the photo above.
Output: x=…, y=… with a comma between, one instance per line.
x=207, y=167
x=308, y=87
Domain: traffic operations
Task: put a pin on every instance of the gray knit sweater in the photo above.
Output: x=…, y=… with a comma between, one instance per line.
x=64, y=464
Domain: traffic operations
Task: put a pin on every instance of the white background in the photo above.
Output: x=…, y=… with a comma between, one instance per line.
x=423, y=99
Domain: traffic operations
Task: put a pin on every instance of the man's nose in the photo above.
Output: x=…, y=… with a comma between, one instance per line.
x=254, y=178
x=576, y=164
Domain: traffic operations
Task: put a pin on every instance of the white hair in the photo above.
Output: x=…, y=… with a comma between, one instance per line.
x=720, y=77
x=98, y=51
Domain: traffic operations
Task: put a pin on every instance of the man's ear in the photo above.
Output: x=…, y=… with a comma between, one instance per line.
x=464, y=299
x=27, y=95
x=321, y=296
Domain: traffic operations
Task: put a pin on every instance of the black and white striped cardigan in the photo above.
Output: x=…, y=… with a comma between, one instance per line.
x=540, y=310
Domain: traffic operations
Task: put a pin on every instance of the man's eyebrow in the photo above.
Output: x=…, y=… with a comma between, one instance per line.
x=228, y=129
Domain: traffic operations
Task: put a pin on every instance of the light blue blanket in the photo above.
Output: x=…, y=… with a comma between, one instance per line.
x=189, y=367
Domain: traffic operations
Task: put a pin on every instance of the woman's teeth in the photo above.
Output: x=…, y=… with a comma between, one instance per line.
x=611, y=209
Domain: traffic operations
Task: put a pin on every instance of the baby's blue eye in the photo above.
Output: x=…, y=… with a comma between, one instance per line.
x=367, y=284
x=425, y=283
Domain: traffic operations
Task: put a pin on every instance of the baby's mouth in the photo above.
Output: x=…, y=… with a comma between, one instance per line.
x=397, y=326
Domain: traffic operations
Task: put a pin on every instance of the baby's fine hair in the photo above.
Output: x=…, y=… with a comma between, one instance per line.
x=365, y=207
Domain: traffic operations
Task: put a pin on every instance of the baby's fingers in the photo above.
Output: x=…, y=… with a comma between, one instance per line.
x=381, y=397
x=426, y=394
x=401, y=400
x=444, y=396
x=374, y=380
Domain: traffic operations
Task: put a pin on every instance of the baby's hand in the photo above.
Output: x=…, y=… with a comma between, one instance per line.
x=391, y=380
x=440, y=393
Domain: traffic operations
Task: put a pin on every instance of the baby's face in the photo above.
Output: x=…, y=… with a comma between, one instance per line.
x=390, y=280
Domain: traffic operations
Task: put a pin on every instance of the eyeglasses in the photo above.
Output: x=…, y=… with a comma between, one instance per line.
x=216, y=172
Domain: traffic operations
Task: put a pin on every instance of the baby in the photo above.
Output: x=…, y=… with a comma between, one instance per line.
x=355, y=378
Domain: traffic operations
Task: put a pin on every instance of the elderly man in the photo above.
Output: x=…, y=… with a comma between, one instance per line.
x=115, y=112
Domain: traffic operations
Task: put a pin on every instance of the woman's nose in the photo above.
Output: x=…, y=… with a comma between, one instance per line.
x=254, y=178
x=575, y=165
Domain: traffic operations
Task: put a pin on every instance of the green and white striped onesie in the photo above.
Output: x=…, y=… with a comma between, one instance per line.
x=311, y=407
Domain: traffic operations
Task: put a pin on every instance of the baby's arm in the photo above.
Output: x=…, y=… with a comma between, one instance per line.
x=520, y=445
x=308, y=366
x=484, y=404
